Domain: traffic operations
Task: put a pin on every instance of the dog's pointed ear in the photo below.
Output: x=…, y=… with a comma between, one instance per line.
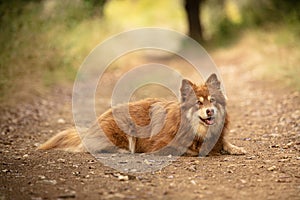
x=186, y=89
x=213, y=81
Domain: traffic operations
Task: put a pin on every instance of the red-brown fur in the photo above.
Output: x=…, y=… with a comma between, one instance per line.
x=180, y=129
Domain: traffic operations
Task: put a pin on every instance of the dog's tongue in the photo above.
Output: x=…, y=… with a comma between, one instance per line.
x=209, y=121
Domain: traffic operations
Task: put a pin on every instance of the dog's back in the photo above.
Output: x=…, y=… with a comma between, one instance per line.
x=150, y=125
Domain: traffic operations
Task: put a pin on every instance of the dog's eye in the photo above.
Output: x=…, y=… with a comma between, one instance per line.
x=212, y=100
x=199, y=103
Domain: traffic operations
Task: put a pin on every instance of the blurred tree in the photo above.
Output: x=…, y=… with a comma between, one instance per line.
x=97, y=4
x=193, y=9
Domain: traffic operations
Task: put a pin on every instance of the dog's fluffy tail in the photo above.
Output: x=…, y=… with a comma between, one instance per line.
x=67, y=140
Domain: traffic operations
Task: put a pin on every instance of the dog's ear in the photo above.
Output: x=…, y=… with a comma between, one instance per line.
x=213, y=81
x=186, y=89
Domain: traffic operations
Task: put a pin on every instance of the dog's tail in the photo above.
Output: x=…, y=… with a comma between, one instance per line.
x=67, y=140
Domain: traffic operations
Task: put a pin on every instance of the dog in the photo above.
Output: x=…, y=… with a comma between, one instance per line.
x=196, y=125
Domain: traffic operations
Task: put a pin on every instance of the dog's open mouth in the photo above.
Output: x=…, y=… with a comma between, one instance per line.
x=208, y=121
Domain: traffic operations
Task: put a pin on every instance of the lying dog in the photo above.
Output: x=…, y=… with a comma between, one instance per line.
x=195, y=126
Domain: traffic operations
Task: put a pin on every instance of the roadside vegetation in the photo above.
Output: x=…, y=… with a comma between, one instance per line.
x=43, y=43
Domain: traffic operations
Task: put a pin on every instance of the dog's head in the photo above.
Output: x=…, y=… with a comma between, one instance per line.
x=202, y=102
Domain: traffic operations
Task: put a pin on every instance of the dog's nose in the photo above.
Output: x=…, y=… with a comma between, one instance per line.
x=210, y=112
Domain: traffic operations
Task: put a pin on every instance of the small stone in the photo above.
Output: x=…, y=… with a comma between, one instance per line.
x=36, y=198
x=283, y=180
x=76, y=173
x=17, y=158
x=272, y=168
x=289, y=144
x=36, y=144
x=243, y=181
x=250, y=157
x=42, y=177
x=70, y=195
x=192, y=168
x=274, y=146
x=147, y=162
x=123, y=178
x=52, y=182
x=204, y=188
x=197, y=162
x=283, y=160
x=172, y=185
x=226, y=159
x=92, y=167
x=61, y=160
x=61, y=121
x=193, y=182
x=25, y=156
x=170, y=177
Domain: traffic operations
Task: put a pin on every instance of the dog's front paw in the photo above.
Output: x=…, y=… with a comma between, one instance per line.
x=234, y=150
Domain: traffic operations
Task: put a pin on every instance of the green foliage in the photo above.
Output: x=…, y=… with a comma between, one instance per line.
x=44, y=42
x=228, y=18
x=37, y=44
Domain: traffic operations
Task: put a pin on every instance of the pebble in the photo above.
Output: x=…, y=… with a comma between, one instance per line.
x=250, y=157
x=272, y=168
x=172, y=185
x=193, y=182
x=123, y=178
x=76, y=173
x=243, y=181
x=61, y=160
x=228, y=159
x=61, y=121
x=25, y=156
x=289, y=144
x=192, y=168
x=147, y=162
x=36, y=144
x=36, y=198
x=170, y=177
x=42, y=177
x=67, y=196
x=52, y=182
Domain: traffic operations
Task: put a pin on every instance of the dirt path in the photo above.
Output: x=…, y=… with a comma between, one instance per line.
x=264, y=119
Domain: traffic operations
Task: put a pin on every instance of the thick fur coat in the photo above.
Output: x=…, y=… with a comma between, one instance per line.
x=197, y=125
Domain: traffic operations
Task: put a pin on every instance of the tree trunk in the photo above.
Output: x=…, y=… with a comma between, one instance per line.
x=192, y=8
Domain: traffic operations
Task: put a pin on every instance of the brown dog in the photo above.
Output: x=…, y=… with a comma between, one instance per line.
x=195, y=126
